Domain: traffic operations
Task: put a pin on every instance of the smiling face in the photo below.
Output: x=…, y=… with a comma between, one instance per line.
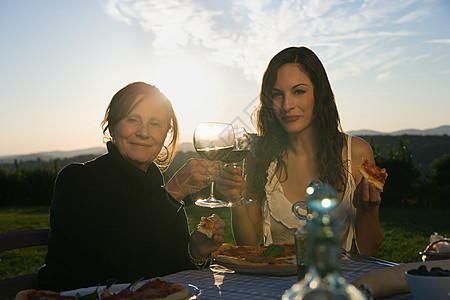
x=293, y=98
x=140, y=136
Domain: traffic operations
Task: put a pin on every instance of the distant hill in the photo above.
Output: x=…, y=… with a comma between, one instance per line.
x=186, y=147
x=424, y=148
x=425, y=145
x=52, y=155
x=441, y=130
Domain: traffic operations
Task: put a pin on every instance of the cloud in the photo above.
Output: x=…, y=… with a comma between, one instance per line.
x=246, y=34
x=423, y=56
x=111, y=8
x=440, y=58
x=382, y=76
x=412, y=16
x=440, y=41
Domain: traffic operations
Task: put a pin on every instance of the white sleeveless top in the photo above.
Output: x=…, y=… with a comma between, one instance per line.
x=279, y=223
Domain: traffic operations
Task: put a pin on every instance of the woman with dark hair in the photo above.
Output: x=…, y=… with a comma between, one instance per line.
x=300, y=139
x=114, y=216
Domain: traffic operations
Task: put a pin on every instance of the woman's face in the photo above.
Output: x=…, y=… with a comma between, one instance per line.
x=293, y=98
x=140, y=135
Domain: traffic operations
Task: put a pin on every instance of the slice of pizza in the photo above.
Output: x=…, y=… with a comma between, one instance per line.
x=254, y=256
x=206, y=226
x=373, y=173
x=32, y=294
x=163, y=290
x=156, y=289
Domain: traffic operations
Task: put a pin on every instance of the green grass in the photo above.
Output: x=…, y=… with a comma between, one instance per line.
x=22, y=261
x=406, y=232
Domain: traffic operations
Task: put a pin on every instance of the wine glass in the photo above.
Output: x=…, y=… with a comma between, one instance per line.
x=240, y=151
x=213, y=141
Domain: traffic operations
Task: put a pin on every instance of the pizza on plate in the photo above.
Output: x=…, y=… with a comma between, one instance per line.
x=272, y=255
x=156, y=289
x=206, y=226
x=32, y=294
x=152, y=289
x=373, y=173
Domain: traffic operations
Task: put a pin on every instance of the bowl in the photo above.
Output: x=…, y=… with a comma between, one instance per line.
x=431, y=251
x=427, y=256
x=428, y=287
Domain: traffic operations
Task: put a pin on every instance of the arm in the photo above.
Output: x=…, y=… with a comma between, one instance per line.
x=366, y=199
x=100, y=217
x=246, y=220
x=201, y=246
x=84, y=225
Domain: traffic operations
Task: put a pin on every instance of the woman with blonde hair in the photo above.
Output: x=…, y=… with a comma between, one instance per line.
x=114, y=216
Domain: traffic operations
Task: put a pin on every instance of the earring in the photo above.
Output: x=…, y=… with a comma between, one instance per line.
x=163, y=157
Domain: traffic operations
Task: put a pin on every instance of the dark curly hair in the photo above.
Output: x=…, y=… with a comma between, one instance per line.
x=272, y=142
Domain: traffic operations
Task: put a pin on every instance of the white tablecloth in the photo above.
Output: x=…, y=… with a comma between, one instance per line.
x=218, y=282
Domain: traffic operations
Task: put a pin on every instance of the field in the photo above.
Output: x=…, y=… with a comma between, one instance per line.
x=406, y=232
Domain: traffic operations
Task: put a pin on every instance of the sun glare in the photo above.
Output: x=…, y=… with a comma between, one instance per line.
x=186, y=81
x=192, y=86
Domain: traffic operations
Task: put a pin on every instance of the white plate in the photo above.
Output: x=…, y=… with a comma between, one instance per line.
x=194, y=292
x=282, y=270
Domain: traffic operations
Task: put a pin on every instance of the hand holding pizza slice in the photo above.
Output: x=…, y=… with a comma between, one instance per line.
x=373, y=173
x=207, y=237
x=206, y=226
x=365, y=196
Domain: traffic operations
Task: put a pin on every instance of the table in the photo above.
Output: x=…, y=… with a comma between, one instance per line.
x=218, y=282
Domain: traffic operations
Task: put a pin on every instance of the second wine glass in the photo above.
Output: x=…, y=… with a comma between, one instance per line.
x=213, y=141
x=240, y=151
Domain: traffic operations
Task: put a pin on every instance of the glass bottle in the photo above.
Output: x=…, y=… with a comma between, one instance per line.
x=302, y=232
x=300, y=249
x=323, y=279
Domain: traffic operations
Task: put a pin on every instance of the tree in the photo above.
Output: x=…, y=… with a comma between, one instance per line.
x=27, y=186
x=437, y=187
x=403, y=183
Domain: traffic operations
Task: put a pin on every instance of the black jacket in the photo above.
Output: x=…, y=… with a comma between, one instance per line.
x=111, y=219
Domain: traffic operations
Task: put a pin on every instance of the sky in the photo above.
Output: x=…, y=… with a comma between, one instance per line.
x=62, y=61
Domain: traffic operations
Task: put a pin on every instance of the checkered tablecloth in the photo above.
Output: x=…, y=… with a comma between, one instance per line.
x=221, y=283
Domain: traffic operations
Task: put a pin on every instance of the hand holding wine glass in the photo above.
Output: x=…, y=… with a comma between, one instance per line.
x=238, y=154
x=213, y=141
x=192, y=177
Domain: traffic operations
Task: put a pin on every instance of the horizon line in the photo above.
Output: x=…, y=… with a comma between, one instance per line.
x=3, y=156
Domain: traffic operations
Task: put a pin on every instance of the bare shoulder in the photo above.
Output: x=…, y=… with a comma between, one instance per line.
x=360, y=150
